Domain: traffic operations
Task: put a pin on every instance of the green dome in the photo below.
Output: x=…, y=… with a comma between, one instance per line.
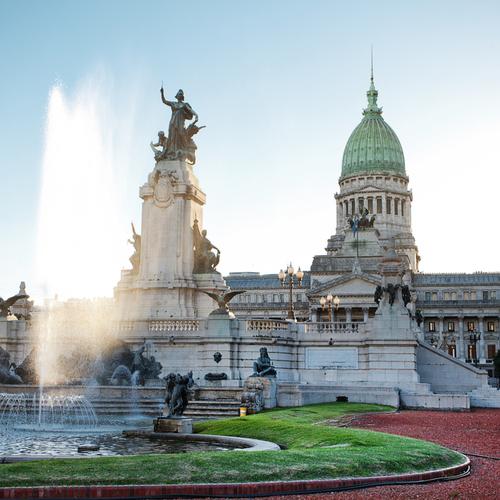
x=373, y=146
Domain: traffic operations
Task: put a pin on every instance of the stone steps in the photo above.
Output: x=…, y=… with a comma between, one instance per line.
x=485, y=397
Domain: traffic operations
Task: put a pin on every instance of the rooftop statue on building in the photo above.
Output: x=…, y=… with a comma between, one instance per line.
x=179, y=144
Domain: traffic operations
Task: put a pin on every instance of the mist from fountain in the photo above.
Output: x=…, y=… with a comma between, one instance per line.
x=81, y=233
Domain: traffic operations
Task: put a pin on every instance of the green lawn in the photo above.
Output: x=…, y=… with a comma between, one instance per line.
x=315, y=449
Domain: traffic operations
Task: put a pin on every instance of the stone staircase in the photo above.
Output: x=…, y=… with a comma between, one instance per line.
x=485, y=397
x=207, y=403
x=211, y=409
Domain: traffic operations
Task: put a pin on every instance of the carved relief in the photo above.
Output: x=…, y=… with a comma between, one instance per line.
x=164, y=188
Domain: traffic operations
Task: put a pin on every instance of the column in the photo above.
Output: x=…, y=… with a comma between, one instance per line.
x=356, y=205
x=333, y=314
x=314, y=315
x=460, y=340
x=365, y=314
x=348, y=315
x=384, y=214
x=481, y=354
x=440, y=331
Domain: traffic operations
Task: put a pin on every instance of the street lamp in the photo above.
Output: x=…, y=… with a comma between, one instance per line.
x=290, y=273
x=474, y=339
x=329, y=299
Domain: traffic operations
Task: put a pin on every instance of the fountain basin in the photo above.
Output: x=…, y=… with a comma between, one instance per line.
x=25, y=446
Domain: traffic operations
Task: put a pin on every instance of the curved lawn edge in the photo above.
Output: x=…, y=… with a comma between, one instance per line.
x=234, y=489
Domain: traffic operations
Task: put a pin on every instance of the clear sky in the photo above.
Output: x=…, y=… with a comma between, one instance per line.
x=280, y=86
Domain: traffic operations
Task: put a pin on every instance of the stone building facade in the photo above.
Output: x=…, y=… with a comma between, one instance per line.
x=461, y=312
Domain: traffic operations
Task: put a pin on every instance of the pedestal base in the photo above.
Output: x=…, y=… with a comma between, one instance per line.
x=181, y=425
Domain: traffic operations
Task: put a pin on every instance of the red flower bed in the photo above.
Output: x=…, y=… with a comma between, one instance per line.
x=476, y=432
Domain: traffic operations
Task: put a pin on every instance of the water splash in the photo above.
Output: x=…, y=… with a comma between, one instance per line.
x=46, y=411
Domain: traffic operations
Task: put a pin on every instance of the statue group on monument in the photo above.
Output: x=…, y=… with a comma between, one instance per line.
x=205, y=261
x=179, y=144
x=361, y=221
x=135, y=259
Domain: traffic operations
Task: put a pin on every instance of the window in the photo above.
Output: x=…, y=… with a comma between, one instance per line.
x=379, y=205
x=432, y=326
x=428, y=296
x=452, y=350
x=453, y=295
x=282, y=297
x=396, y=206
x=492, y=350
x=485, y=295
x=276, y=297
x=470, y=326
x=370, y=205
x=361, y=203
x=491, y=326
x=346, y=208
x=451, y=326
x=388, y=205
x=353, y=207
x=446, y=295
x=466, y=296
x=493, y=295
x=402, y=208
x=434, y=296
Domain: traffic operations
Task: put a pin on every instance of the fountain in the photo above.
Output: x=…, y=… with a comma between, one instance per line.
x=46, y=412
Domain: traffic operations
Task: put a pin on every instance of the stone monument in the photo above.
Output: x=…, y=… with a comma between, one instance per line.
x=173, y=258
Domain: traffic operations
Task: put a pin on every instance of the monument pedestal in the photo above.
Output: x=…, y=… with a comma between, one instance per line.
x=181, y=425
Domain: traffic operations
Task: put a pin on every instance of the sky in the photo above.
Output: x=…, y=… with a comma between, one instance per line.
x=280, y=86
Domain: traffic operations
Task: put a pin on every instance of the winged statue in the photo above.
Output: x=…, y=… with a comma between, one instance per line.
x=222, y=299
x=5, y=304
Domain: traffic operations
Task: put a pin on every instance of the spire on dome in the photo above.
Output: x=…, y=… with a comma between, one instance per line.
x=372, y=94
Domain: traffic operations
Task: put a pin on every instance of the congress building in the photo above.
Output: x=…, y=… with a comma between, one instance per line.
x=458, y=312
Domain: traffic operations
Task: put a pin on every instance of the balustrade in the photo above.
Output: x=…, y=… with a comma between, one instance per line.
x=174, y=325
x=333, y=327
x=266, y=325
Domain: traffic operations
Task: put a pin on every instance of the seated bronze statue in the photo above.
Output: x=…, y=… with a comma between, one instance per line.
x=262, y=367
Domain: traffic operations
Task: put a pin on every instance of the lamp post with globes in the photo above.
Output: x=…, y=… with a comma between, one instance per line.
x=290, y=282
x=329, y=299
x=474, y=338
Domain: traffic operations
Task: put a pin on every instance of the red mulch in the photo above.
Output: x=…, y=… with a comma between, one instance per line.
x=477, y=431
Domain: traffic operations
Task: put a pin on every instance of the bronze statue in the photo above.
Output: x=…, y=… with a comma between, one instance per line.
x=135, y=258
x=205, y=261
x=5, y=304
x=162, y=142
x=222, y=300
x=419, y=317
x=406, y=295
x=361, y=221
x=262, y=367
x=177, y=392
x=179, y=143
x=391, y=290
